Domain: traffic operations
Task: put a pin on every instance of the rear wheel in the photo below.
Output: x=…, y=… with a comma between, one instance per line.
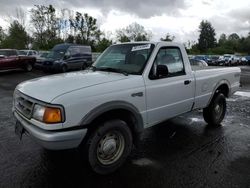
x=28, y=67
x=84, y=66
x=215, y=112
x=108, y=146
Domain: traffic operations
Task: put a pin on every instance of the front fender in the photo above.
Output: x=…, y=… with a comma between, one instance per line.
x=96, y=112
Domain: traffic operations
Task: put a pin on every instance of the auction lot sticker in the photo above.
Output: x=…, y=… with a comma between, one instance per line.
x=141, y=47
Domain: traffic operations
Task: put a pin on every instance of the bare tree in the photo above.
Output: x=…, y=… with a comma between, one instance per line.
x=133, y=32
x=21, y=16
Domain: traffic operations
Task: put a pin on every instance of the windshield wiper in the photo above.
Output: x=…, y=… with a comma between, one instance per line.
x=109, y=69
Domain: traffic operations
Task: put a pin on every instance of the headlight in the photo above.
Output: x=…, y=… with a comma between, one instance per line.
x=47, y=114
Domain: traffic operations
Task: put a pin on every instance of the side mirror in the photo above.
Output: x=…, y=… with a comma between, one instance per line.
x=2, y=56
x=66, y=57
x=162, y=71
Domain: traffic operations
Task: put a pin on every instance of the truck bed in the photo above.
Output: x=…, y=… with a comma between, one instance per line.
x=197, y=68
x=208, y=78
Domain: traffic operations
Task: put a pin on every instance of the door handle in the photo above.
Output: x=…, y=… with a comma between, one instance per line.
x=186, y=82
x=139, y=94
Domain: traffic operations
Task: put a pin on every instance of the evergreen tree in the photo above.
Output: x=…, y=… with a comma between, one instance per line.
x=207, y=36
x=17, y=37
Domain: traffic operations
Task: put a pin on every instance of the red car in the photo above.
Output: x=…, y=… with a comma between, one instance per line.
x=9, y=59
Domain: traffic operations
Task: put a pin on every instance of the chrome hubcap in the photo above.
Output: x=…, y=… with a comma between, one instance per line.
x=217, y=108
x=110, y=148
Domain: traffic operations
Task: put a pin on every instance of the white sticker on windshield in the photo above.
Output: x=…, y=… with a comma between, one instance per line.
x=141, y=47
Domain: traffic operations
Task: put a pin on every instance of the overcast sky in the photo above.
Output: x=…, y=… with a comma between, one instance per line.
x=180, y=18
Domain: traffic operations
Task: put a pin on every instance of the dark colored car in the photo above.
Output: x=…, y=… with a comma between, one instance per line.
x=214, y=60
x=64, y=57
x=203, y=57
x=42, y=55
x=248, y=59
x=10, y=59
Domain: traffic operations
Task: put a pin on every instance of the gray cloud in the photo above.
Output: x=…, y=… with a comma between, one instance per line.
x=207, y=2
x=241, y=14
x=235, y=21
x=141, y=8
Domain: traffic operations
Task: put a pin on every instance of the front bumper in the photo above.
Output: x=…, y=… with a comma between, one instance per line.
x=53, y=140
x=48, y=66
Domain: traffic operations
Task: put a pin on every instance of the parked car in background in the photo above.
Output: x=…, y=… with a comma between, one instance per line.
x=221, y=61
x=196, y=62
x=41, y=57
x=237, y=59
x=243, y=61
x=9, y=59
x=32, y=53
x=213, y=60
x=231, y=59
x=248, y=59
x=66, y=56
x=202, y=57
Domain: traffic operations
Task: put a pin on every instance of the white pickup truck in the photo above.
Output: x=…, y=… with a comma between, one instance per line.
x=130, y=87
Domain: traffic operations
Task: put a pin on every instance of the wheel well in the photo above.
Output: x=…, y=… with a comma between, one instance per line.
x=223, y=89
x=122, y=114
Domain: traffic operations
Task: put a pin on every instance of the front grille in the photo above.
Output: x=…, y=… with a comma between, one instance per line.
x=23, y=105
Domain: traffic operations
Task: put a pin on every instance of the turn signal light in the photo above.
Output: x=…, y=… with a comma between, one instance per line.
x=52, y=115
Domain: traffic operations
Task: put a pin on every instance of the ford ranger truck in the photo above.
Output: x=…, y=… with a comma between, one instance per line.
x=130, y=87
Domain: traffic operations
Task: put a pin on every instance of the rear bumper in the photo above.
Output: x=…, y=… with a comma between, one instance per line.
x=53, y=140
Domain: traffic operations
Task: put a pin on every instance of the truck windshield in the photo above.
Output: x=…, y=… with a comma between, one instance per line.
x=125, y=58
x=56, y=54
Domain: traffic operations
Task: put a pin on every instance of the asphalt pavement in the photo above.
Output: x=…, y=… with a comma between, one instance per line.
x=182, y=152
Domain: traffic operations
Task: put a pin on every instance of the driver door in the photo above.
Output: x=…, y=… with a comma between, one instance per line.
x=169, y=96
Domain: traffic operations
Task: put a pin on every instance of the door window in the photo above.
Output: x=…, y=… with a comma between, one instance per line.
x=74, y=51
x=171, y=58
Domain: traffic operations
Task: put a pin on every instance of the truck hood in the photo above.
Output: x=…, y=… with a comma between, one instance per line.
x=49, y=87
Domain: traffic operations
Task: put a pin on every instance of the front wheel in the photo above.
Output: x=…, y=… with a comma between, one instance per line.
x=215, y=112
x=108, y=146
x=64, y=68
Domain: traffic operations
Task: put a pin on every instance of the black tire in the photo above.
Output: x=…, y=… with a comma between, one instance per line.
x=108, y=146
x=84, y=66
x=64, y=68
x=215, y=112
x=46, y=71
x=28, y=67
